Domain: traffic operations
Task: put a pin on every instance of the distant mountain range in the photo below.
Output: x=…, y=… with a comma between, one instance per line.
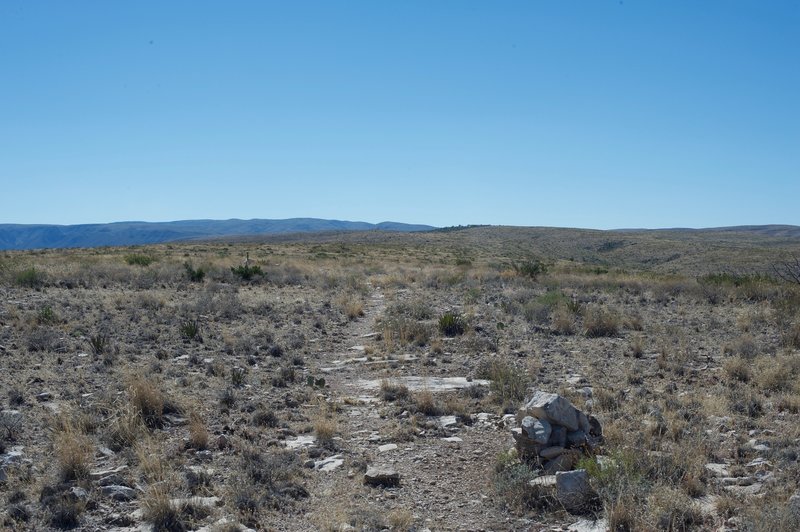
x=788, y=231
x=17, y=236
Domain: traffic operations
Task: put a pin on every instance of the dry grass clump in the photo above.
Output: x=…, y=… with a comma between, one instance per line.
x=391, y=391
x=744, y=346
x=62, y=511
x=512, y=484
x=508, y=383
x=426, y=403
x=791, y=337
x=404, y=331
x=147, y=401
x=198, y=433
x=159, y=511
x=351, y=305
x=637, y=346
x=124, y=429
x=777, y=374
x=265, y=418
x=599, y=322
x=400, y=519
x=325, y=429
x=274, y=475
x=738, y=369
x=563, y=320
x=73, y=451
x=152, y=466
x=325, y=424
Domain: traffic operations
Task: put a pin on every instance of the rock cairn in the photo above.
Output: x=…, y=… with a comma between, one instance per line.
x=553, y=435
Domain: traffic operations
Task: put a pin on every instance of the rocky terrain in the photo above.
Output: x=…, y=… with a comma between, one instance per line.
x=401, y=383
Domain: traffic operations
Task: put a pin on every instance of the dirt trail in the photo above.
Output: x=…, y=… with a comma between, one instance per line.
x=445, y=473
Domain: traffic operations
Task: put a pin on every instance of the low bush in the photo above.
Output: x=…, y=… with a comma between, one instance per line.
x=30, y=278
x=507, y=383
x=245, y=272
x=46, y=316
x=194, y=275
x=190, y=330
x=512, y=484
x=139, y=259
x=393, y=391
x=530, y=268
x=452, y=324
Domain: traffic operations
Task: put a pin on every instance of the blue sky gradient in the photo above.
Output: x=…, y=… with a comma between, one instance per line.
x=580, y=114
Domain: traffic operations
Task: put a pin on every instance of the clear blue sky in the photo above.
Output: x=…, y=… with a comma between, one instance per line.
x=595, y=114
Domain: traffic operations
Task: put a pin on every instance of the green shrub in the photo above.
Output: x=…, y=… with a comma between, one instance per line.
x=99, y=343
x=452, y=324
x=512, y=484
x=405, y=331
x=552, y=299
x=530, y=268
x=139, y=259
x=194, y=275
x=246, y=272
x=507, y=383
x=46, y=315
x=190, y=330
x=30, y=278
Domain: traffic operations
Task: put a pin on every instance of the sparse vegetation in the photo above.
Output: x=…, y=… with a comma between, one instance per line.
x=139, y=259
x=339, y=351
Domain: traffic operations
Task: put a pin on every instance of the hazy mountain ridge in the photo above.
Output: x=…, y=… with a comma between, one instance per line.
x=19, y=236
x=777, y=230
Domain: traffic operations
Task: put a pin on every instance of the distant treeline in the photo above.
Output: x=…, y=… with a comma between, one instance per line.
x=456, y=228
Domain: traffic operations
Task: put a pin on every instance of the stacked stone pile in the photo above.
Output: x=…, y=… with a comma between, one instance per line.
x=554, y=434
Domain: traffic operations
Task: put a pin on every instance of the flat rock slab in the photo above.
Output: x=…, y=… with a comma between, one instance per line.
x=97, y=474
x=381, y=476
x=587, y=525
x=447, y=421
x=300, y=441
x=752, y=489
x=718, y=470
x=225, y=524
x=203, y=502
x=431, y=384
x=387, y=447
x=118, y=493
x=329, y=464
